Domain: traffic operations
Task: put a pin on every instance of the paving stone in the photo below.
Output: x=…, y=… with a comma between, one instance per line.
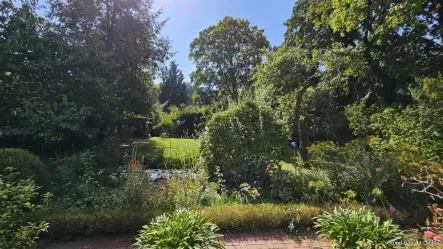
x=270, y=240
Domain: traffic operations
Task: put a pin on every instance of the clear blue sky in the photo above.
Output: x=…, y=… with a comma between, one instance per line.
x=188, y=17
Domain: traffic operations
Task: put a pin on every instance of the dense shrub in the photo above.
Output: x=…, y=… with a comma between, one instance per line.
x=28, y=164
x=242, y=141
x=417, y=125
x=188, y=124
x=357, y=229
x=16, y=200
x=180, y=122
x=355, y=167
x=183, y=229
x=365, y=168
x=302, y=185
x=165, y=124
x=247, y=217
x=91, y=222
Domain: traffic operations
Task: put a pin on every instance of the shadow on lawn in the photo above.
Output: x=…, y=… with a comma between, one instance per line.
x=166, y=154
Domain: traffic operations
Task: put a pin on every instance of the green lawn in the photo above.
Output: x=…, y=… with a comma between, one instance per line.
x=174, y=150
x=177, y=150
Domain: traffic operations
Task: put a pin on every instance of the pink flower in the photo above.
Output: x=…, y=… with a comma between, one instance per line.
x=392, y=209
x=388, y=175
x=378, y=169
x=437, y=238
x=345, y=173
x=385, y=180
x=429, y=234
x=308, y=171
x=297, y=180
x=354, y=172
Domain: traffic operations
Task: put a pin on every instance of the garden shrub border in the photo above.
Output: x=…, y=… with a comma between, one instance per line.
x=236, y=218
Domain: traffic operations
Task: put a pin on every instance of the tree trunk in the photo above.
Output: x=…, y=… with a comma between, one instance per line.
x=299, y=124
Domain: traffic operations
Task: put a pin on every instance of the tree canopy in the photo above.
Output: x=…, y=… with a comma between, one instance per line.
x=225, y=54
x=70, y=76
x=173, y=88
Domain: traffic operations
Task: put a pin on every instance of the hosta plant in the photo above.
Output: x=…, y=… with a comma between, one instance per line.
x=181, y=230
x=347, y=228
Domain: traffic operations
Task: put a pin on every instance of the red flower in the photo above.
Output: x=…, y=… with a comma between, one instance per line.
x=137, y=162
x=437, y=238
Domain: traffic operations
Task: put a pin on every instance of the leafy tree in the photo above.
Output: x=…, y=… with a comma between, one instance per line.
x=291, y=70
x=391, y=44
x=49, y=89
x=204, y=95
x=134, y=50
x=68, y=77
x=225, y=54
x=173, y=89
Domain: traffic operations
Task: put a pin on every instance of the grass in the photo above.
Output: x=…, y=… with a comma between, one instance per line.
x=176, y=152
x=174, y=148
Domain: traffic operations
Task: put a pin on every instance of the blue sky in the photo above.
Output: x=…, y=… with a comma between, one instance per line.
x=188, y=17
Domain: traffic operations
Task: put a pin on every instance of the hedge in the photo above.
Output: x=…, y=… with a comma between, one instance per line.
x=239, y=218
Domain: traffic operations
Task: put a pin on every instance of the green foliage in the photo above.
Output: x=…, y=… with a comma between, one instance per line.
x=183, y=229
x=324, y=117
x=248, y=217
x=225, y=64
x=359, y=117
x=303, y=185
x=28, y=164
x=242, y=141
x=134, y=195
x=357, y=167
x=232, y=217
x=357, y=229
x=18, y=197
x=69, y=81
x=66, y=224
x=373, y=53
x=169, y=152
x=173, y=87
x=416, y=125
x=165, y=124
x=429, y=93
x=88, y=179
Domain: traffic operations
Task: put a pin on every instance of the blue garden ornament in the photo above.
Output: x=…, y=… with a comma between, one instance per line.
x=293, y=144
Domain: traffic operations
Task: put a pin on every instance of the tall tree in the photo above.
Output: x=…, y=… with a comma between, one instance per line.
x=68, y=77
x=393, y=43
x=225, y=54
x=130, y=32
x=173, y=87
x=50, y=89
x=291, y=71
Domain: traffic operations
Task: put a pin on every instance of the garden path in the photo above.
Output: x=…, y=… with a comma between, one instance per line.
x=276, y=239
